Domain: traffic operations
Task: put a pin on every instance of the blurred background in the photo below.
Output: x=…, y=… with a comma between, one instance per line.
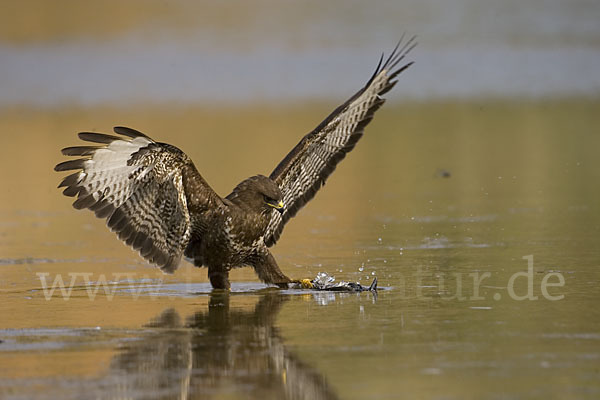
x=113, y=52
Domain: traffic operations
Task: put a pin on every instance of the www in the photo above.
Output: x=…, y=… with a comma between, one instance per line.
x=92, y=288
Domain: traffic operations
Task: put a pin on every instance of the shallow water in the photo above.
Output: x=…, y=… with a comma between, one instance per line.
x=440, y=201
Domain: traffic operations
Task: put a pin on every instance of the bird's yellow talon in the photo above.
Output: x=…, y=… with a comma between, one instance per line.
x=306, y=284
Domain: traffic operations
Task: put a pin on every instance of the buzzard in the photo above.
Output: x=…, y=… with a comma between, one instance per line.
x=156, y=201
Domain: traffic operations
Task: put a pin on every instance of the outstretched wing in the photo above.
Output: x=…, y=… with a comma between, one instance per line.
x=304, y=170
x=142, y=188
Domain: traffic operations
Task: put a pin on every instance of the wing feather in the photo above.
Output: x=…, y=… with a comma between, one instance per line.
x=306, y=168
x=141, y=188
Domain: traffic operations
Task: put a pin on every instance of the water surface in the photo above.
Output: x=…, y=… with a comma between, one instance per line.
x=440, y=201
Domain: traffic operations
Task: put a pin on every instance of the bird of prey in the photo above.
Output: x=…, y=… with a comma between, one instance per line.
x=156, y=201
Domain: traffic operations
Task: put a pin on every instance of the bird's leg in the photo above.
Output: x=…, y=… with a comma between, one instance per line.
x=271, y=274
x=219, y=279
x=268, y=271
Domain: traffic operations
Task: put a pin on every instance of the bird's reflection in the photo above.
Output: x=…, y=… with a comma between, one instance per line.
x=216, y=352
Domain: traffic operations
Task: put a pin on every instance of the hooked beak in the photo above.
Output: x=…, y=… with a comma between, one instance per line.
x=279, y=207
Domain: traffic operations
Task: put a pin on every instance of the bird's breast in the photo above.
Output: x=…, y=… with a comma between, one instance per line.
x=232, y=238
x=246, y=229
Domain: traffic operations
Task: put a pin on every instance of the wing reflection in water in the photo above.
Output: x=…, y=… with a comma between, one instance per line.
x=214, y=353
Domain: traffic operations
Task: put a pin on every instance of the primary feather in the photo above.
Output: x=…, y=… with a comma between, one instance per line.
x=306, y=168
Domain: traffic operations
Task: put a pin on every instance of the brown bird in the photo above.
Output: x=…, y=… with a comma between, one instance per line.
x=156, y=201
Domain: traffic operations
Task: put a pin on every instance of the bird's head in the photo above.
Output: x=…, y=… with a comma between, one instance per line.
x=259, y=194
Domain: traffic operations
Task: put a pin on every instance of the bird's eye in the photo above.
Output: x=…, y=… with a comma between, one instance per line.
x=269, y=200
